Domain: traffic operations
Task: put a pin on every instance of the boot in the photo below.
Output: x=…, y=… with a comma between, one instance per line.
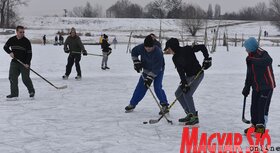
x=260, y=128
x=78, y=77
x=193, y=119
x=186, y=119
x=246, y=130
x=65, y=77
x=129, y=108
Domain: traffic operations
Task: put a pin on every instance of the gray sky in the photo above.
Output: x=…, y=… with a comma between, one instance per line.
x=51, y=7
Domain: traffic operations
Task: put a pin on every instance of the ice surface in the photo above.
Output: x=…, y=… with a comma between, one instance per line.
x=88, y=116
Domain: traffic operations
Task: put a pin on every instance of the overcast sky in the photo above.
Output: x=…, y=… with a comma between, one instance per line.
x=51, y=7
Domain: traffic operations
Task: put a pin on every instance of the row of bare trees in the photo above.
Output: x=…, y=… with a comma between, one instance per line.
x=86, y=11
x=8, y=13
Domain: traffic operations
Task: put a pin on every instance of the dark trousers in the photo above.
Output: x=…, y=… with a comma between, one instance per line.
x=73, y=58
x=15, y=70
x=260, y=106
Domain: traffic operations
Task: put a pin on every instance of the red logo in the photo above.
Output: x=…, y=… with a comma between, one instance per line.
x=223, y=142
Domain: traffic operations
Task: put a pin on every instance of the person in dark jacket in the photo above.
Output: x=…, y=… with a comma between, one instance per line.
x=106, y=51
x=19, y=48
x=260, y=78
x=74, y=46
x=61, y=39
x=44, y=39
x=188, y=68
x=55, y=40
x=152, y=63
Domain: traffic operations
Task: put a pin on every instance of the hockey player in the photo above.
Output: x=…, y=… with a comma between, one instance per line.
x=19, y=48
x=261, y=78
x=188, y=68
x=74, y=46
x=152, y=63
x=106, y=51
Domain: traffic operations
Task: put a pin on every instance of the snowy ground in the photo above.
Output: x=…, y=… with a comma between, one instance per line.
x=88, y=116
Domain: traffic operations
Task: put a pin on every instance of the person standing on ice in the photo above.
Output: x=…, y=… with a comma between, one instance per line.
x=152, y=63
x=188, y=68
x=19, y=48
x=74, y=46
x=261, y=78
x=44, y=39
x=106, y=51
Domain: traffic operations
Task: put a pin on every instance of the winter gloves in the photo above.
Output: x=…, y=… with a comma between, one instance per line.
x=84, y=52
x=66, y=50
x=207, y=63
x=148, y=81
x=246, y=91
x=184, y=86
x=137, y=65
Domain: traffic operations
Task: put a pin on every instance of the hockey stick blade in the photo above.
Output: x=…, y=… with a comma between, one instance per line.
x=62, y=87
x=246, y=121
x=151, y=121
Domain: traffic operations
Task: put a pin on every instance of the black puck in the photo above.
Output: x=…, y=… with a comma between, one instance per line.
x=145, y=122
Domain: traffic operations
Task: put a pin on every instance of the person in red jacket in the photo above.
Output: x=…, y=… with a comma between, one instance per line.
x=261, y=78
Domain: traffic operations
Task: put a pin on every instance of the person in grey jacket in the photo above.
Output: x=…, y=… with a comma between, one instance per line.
x=74, y=46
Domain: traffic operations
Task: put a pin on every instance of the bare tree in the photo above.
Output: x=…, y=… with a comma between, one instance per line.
x=174, y=8
x=77, y=12
x=8, y=10
x=275, y=8
x=210, y=12
x=87, y=11
x=194, y=19
x=65, y=12
x=261, y=11
x=2, y=11
x=124, y=9
x=156, y=9
x=248, y=13
x=217, y=12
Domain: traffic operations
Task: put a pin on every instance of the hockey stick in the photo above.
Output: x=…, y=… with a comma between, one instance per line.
x=243, y=112
x=88, y=54
x=169, y=121
x=62, y=87
x=153, y=121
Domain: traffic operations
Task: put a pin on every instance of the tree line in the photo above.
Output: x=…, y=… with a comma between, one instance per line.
x=8, y=12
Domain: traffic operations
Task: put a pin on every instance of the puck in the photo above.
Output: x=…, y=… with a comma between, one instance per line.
x=145, y=122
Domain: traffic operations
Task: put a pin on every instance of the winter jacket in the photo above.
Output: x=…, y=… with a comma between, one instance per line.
x=20, y=47
x=186, y=62
x=105, y=46
x=152, y=62
x=259, y=71
x=74, y=44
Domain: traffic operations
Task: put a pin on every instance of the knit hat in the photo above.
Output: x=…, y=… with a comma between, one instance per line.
x=173, y=43
x=251, y=45
x=105, y=36
x=73, y=30
x=149, y=42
